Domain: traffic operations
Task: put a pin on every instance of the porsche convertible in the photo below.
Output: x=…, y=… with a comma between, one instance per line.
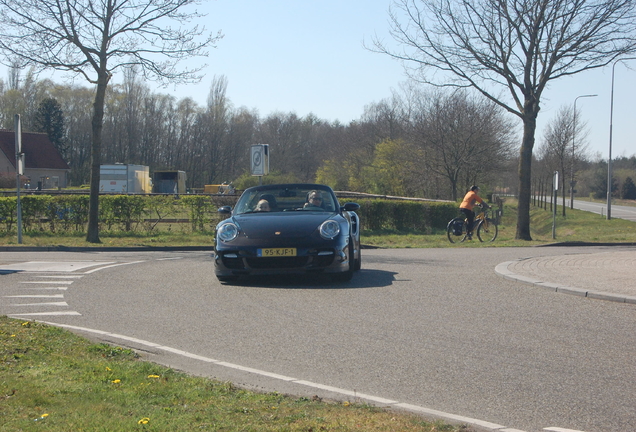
x=288, y=229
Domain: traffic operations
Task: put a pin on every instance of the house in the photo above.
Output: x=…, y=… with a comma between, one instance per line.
x=44, y=166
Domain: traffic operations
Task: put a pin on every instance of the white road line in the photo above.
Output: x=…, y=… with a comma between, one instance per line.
x=53, y=266
x=36, y=296
x=558, y=429
x=48, y=282
x=167, y=259
x=114, y=265
x=61, y=277
x=345, y=392
x=42, y=304
x=19, y=315
x=48, y=288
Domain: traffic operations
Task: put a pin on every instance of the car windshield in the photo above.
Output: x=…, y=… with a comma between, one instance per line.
x=277, y=198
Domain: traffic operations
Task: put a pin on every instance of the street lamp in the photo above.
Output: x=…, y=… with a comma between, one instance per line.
x=573, y=147
x=609, y=159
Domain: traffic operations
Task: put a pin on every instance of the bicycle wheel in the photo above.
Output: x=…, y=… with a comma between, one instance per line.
x=487, y=230
x=450, y=231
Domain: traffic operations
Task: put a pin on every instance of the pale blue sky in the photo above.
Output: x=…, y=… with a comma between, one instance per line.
x=307, y=56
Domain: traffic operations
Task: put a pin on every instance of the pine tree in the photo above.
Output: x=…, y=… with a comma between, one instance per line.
x=49, y=119
x=628, y=191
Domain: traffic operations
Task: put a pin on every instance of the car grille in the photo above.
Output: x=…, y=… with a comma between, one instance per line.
x=278, y=262
x=312, y=261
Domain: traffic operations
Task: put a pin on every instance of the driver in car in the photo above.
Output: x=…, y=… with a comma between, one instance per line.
x=314, y=200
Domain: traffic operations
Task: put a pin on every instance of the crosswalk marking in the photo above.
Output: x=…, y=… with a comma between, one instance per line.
x=48, y=288
x=48, y=282
x=62, y=303
x=46, y=313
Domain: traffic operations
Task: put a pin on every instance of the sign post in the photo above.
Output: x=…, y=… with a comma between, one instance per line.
x=259, y=161
x=19, y=171
x=556, y=197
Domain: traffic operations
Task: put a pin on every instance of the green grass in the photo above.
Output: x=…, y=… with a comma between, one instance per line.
x=53, y=380
x=576, y=226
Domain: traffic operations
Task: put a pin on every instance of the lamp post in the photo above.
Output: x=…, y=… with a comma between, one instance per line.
x=609, y=159
x=573, y=148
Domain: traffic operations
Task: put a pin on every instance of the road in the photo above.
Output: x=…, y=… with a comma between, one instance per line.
x=434, y=331
x=618, y=212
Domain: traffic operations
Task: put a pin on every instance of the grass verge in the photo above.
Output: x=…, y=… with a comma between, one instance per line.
x=576, y=226
x=53, y=380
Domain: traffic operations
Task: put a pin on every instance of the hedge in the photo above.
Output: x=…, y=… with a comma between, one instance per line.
x=396, y=215
x=62, y=213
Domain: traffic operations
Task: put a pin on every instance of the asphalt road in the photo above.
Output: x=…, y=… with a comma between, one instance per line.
x=435, y=331
x=618, y=212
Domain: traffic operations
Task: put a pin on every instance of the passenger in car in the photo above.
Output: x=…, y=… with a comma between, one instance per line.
x=271, y=200
x=262, y=206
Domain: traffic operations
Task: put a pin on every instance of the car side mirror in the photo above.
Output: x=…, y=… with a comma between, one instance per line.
x=225, y=210
x=350, y=206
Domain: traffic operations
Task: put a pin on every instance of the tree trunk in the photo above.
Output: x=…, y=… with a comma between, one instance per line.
x=525, y=174
x=96, y=158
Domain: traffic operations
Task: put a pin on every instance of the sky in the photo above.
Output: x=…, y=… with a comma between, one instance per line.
x=309, y=56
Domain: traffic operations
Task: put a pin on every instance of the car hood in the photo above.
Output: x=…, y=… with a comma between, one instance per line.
x=282, y=225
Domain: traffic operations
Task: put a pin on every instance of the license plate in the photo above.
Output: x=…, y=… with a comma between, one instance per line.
x=276, y=252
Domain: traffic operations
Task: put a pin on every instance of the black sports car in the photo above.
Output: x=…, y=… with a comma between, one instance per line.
x=288, y=228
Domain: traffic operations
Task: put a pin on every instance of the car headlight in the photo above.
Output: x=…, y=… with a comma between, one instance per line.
x=329, y=229
x=227, y=232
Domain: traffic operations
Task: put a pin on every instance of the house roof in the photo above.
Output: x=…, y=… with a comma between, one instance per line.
x=38, y=150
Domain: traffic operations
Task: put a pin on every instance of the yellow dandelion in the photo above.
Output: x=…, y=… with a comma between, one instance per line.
x=346, y=403
x=117, y=381
x=154, y=376
x=44, y=415
x=12, y=335
x=144, y=420
x=108, y=369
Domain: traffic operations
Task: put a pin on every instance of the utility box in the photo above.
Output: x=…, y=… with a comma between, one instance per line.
x=172, y=182
x=125, y=178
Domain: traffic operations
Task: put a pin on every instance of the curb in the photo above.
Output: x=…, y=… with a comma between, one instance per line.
x=502, y=271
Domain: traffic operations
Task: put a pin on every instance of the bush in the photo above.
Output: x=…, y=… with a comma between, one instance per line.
x=380, y=214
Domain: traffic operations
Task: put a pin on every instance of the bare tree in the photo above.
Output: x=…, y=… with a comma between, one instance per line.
x=93, y=38
x=559, y=147
x=518, y=46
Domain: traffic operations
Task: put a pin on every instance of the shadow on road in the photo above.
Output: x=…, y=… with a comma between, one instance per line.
x=361, y=279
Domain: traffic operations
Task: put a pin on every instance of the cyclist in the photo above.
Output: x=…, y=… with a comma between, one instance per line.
x=466, y=207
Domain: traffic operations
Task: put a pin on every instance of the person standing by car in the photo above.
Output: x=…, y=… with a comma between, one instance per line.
x=466, y=207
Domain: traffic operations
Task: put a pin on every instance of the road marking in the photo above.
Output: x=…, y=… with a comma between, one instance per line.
x=42, y=304
x=18, y=315
x=344, y=392
x=48, y=282
x=36, y=296
x=113, y=265
x=48, y=266
x=558, y=429
x=167, y=259
x=48, y=288
x=61, y=277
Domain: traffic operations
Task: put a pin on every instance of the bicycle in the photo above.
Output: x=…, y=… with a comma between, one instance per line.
x=485, y=226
